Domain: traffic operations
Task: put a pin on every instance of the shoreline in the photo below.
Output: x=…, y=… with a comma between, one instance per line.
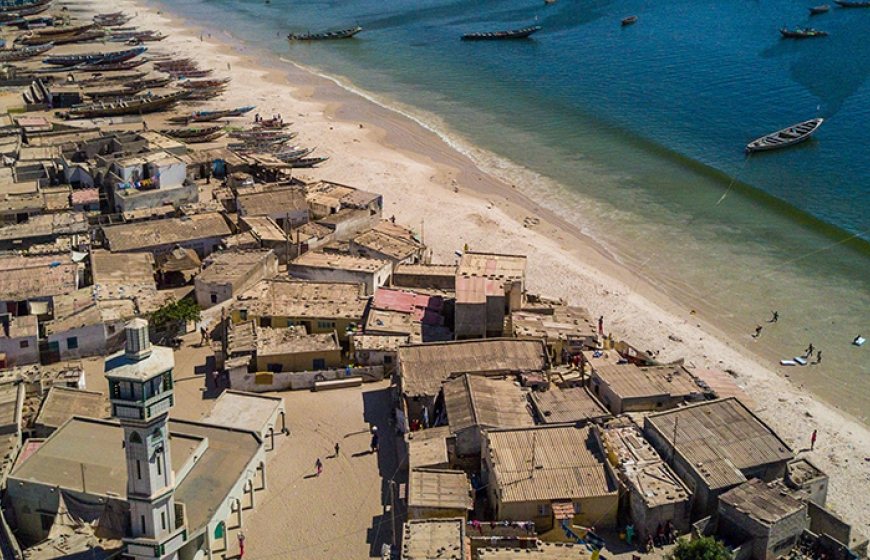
x=378, y=148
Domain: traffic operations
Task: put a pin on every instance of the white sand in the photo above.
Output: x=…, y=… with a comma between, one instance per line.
x=379, y=150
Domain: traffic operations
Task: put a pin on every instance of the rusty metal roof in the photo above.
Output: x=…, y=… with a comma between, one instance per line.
x=548, y=463
x=424, y=367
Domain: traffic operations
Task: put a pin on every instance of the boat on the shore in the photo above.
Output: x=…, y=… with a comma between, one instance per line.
x=18, y=7
x=190, y=73
x=786, y=137
x=208, y=116
x=125, y=106
x=304, y=163
x=24, y=53
x=89, y=59
x=325, y=35
x=204, y=84
x=195, y=135
x=629, y=20
x=805, y=33
x=521, y=33
x=816, y=10
x=64, y=38
x=852, y=4
x=112, y=66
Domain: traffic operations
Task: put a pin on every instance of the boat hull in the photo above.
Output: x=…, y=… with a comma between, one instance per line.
x=786, y=137
x=523, y=33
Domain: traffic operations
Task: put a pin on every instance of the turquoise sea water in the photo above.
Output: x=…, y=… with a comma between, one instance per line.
x=635, y=134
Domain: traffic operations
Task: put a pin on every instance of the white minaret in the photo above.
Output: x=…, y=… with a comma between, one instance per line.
x=140, y=391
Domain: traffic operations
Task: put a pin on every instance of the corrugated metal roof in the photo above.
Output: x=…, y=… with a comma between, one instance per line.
x=472, y=400
x=631, y=381
x=557, y=405
x=719, y=439
x=439, y=488
x=767, y=503
x=548, y=463
x=424, y=367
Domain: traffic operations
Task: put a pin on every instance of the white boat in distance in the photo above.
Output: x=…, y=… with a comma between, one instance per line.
x=790, y=136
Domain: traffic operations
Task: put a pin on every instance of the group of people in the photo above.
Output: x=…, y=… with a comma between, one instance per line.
x=808, y=353
x=374, y=445
x=664, y=535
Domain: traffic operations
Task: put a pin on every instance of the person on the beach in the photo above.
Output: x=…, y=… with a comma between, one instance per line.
x=775, y=317
x=757, y=332
x=819, y=357
x=601, y=325
x=375, y=440
x=318, y=464
x=337, y=449
x=241, y=545
x=813, y=440
x=809, y=350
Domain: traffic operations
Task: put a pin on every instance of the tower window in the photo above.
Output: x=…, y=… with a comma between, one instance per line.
x=138, y=469
x=160, y=464
x=163, y=520
x=135, y=438
x=143, y=524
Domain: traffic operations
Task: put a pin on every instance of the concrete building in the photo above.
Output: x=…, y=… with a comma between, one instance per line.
x=629, y=388
x=656, y=495
x=45, y=229
x=425, y=539
x=62, y=404
x=327, y=267
x=439, y=494
x=150, y=180
x=421, y=315
x=390, y=242
x=228, y=273
x=717, y=445
x=574, y=404
x=200, y=232
x=376, y=350
x=803, y=476
x=261, y=414
x=291, y=349
x=489, y=287
x=424, y=367
x=321, y=307
x=533, y=472
x=765, y=519
x=429, y=448
x=475, y=404
x=281, y=204
x=566, y=330
x=178, y=492
x=541, y=551
x=19, y=340
x=83, y=327
x=29, y=283
x=12, y=399
x=425, y=276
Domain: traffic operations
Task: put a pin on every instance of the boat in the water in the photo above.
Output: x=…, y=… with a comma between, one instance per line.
x=786, y=137
x=326, y=35
x=816, y=10
x=126, y=106
x=629, y=20
x=498, y=35
x=805, y=33
x=852, y=4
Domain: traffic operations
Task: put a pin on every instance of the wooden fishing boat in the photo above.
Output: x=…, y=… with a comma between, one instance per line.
x=522, y=33
x=125, y=106
x=852, y=4
x=24, y=53
x=209, y=116
x=326, y=35
x=175, y=63
x=786, y=137
x=204, y=138
x=64, y=30
x=112, y=67
x=204, y=84
x=629, y=20
x=189, y=73
x=64, y=39
x=95, y=59
x=263, y=135
x=806, y=33
x=304, y=163
x=816, y=10
x=112, y=93
x=141, y=36
x=192, y=133
x=204, y=94
x=20, y=6
x=22, y=13
x=152, y=82
x=293, y=155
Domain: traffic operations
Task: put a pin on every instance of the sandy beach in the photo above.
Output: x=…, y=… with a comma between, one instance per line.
x=432, y=187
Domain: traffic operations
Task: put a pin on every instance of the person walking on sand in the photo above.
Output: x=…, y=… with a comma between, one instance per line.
x=775, y=317
x=757, y=331
x=375, y=440
x=813, y=440
x=318, y=464
x=601, y=325
x=337, y=449
x=241, y=544
x=809, y=350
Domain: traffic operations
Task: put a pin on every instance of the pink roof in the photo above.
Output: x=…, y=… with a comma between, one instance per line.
x=85, y=196
x=29, y=122
x=424, y=308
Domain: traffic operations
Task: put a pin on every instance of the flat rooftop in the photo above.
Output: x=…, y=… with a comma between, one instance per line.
x=424, y=367
x=132, y=269
x=264, y=228
x=229, y=266
x=385, y=244
x=160, y=360
x=244, y=411
x=718, y=439
x=332, y=261
x=567, y=463
x=376, y=342
x=426, y=269
x=576, y=404
x=440, y=489
x=272, y=201
x=564, y=323
x=301, y=299
x=766, y=503
x=35, y=277
x=153, y=233
x=542, y=551
x=492, y=265
x=428, y=539
x=9, y=405
x=630, y=381
x=289, y=341
x=66, y=223
x=428, y=448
